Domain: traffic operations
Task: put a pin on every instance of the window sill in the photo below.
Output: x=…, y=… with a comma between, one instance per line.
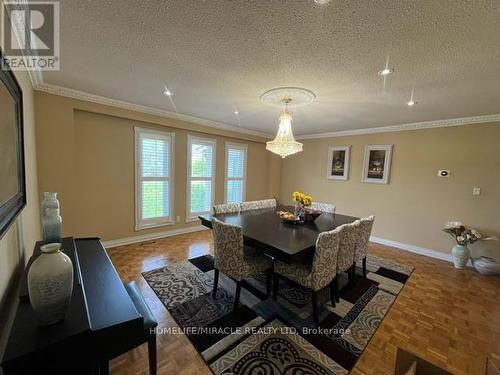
x=193, y=219
x=152, y=225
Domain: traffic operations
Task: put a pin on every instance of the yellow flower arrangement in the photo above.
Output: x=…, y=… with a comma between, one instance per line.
x=302, y=198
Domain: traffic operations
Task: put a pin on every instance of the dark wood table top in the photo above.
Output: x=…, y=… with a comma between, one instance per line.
x=265, y=230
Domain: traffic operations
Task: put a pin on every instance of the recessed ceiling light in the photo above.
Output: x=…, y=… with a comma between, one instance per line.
x=236, y=112
x=322, y=1
x=385, y=72
x=411, y=102
x=167, y=92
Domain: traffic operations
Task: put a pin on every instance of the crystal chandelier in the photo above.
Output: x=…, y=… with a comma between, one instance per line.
x=284, y=144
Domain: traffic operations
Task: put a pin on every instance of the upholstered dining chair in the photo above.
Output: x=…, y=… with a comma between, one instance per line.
x=323, y=207
x=347, y=248
x=318, y=275
x=227, y=208
x=255, y=205
x=234, y=260
x=365, y=231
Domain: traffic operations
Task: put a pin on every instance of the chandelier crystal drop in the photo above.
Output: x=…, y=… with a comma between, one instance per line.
x=284, y=144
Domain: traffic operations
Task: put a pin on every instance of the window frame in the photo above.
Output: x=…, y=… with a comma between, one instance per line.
x=140, y=223
x=192, y=139
x=244, y=148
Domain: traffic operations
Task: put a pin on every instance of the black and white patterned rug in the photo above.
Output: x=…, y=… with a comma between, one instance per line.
x=266, y=337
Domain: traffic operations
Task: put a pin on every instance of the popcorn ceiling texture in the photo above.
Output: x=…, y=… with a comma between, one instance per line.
x=218, y=55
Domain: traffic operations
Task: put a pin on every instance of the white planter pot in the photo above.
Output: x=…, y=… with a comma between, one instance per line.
x=461, y=255
x=50, y=284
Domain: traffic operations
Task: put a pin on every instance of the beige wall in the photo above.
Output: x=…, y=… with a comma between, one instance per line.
x=416, y=203
x=16, y=245
x=86, y=153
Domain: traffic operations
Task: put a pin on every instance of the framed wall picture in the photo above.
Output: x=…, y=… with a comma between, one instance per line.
x=338, y=162
x=377, y=164
x=12, y=178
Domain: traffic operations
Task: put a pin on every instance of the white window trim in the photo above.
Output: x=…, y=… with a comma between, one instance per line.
x=141, y=224
x=193, y=216
x=244, y=148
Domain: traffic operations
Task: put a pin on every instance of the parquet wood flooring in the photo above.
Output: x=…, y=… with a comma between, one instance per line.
x=448, y=317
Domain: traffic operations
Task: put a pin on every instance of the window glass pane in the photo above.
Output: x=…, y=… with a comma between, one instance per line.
x=234, y=191
x=154, y=199
x=201, y=196
x=154, y=157
x=235, y=162
x=201, y=160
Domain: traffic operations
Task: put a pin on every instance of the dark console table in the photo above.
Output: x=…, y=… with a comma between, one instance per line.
x=101, y=314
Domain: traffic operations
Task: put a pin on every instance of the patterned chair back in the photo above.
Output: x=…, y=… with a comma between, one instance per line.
x=366, y=225
x=256, y=205
x=227, y=208
x=323, y=207
x=324, y=265
x=228, y=249
x=348, y=242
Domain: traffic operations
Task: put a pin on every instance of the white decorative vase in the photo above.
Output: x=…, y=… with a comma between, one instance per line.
x=461, y=255
x=51, y=218
x=50, y=284
x=486, y=266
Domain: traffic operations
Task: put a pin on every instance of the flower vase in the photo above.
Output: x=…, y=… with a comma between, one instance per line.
x=51, y=218
x=50, y=284
x=298, y=209
x=461, y=255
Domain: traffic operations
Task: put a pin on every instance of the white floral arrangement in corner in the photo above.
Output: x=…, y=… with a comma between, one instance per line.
x=463, y=235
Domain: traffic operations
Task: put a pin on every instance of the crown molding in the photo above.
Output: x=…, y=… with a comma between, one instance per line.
x=407, y=127
x=38, y=85
x=82, y=95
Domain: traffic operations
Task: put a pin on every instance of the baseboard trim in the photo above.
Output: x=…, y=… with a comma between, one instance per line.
x=175, y=232
x=151, y=236
x=412, y=248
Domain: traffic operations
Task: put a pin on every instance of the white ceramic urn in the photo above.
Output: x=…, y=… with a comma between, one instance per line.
x=50, y=284
x=460, y=255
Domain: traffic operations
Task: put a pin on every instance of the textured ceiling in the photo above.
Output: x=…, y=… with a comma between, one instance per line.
x=218, y=55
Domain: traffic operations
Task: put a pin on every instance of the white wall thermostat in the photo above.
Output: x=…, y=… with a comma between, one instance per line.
x=444, y=173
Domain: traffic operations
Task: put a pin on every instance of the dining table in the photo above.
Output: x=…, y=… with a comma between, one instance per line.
x=264, y=230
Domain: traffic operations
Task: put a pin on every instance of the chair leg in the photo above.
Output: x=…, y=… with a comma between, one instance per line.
x=315, y=306
x=237, y=294
x=269, y=275
x=216, y=281
x=337, y=293
x=276, y=283
x=152, y=354
x=364, y=267
x=104, y=367
x=350, y=274
x=332, y=292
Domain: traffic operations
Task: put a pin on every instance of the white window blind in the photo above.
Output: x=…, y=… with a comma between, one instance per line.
x=153, y=156
x=201, y=176
x=236, y=165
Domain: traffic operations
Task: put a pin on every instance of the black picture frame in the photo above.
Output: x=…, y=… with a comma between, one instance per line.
x=11, y=208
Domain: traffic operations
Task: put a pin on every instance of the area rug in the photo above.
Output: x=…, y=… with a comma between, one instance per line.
x=266, y=337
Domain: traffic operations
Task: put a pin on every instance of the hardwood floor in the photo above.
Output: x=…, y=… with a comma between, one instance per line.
x=449, y=317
